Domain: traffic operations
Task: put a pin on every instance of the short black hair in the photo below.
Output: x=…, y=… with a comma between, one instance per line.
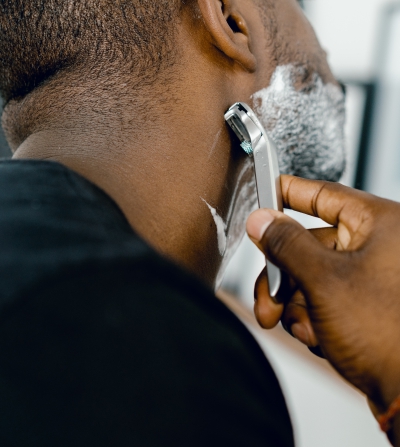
x=41, y=38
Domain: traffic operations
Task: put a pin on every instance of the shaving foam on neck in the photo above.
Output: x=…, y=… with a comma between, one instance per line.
x=221, y=229
x=231, y=231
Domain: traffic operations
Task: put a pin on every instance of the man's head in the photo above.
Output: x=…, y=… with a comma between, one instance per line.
x=135, y=43
x=41, y=38
x=132, y=93
x=51, y=45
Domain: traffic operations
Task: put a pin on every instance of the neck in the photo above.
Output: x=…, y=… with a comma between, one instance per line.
x=159, y=167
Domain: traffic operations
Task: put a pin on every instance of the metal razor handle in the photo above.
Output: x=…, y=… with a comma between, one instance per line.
x=256, y=143
x=269, y=194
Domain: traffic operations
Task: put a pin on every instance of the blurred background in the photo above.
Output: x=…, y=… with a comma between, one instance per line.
x=362, y=39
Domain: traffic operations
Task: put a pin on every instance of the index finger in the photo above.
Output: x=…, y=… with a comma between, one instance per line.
x=329, y=201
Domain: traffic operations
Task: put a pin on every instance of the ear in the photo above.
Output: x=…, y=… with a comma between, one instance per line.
x=228, y=30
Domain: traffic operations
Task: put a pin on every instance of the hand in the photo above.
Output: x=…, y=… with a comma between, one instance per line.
x=352, y=290
x=293, y=313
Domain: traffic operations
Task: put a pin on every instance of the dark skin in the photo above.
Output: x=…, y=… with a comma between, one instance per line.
x=158, y=151
x=342, y=286
x=159, y=159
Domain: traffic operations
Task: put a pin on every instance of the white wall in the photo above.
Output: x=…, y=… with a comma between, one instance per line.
x=348, y=30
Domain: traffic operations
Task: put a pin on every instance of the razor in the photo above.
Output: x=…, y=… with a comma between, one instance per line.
x=256, y=143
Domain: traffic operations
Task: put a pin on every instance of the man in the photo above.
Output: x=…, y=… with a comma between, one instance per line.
x=106, y=339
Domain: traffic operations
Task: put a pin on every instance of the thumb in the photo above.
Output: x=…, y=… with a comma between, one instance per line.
x=291, y=247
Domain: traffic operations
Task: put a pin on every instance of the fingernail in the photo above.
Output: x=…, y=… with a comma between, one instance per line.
x=258, y=223
x=300, y=332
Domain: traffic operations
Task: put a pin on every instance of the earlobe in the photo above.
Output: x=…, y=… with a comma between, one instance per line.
x=228, y=30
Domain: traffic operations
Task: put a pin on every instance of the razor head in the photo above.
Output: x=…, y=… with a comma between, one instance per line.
x=244, y=123
x=247, y=147
x=256, y=143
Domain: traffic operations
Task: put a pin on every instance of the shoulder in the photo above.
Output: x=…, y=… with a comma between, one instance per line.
x=137, y=351
x=145, y=339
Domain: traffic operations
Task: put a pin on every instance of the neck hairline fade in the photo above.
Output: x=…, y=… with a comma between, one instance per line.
x=87, y=48
x=39, y=39
x=105, y=45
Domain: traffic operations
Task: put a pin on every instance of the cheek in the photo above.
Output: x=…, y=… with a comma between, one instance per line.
x=297, y=42
x=261, y=23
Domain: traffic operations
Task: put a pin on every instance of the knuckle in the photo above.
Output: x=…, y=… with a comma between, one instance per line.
x=317, y=195
x=368, y=211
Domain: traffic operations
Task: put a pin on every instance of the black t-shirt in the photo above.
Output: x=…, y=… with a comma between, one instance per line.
x=105, y=343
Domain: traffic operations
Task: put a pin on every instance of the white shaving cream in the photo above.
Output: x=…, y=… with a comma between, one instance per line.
x=231, y=231
x=243, y=204
x=221, y=229
x=307, y=126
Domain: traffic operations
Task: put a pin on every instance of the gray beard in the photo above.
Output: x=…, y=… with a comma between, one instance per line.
x=308, y=130
x=307, y=126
